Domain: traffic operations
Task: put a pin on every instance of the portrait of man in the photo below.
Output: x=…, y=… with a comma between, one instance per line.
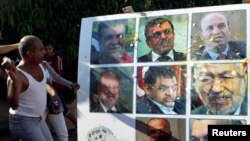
x=222, y=88
x=160, y=129
x=108, y=94
x=112, y=45
x=161, y=92
x=160, y=40
x=218, y=40
x=199, y=127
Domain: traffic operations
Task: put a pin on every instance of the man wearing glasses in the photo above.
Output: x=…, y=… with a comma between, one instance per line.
x=222, y=88
x=112, y=42
x=160, y=36
x=161, y=93
x=108, y=94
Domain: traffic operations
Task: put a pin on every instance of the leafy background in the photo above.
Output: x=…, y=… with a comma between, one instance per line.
x=59, y=20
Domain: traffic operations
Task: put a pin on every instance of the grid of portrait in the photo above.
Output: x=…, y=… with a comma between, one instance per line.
x=159, y=76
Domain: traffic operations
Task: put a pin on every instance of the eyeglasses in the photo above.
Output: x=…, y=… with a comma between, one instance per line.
x=112, y=36
x=164, y=89
x=156, y=131
x=104, y=87
x=208, y=79
x=157, y=34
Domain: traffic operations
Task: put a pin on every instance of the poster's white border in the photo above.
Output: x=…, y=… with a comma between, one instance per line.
x=86, y=119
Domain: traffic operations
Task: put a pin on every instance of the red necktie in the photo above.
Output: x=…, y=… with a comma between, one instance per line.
x=222, y=56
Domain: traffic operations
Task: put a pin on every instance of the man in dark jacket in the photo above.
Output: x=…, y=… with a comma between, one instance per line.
x=108, y=93
x=215, y=32
x=161, y=90
x=160, y=36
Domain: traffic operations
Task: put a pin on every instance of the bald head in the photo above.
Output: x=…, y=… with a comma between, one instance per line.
x=159, y=129
x=158, y=123
x=212, y=17
x=27, y=43
x=31, y=50
x=215, y=31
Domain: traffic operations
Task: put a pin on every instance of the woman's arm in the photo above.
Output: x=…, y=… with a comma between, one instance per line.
x=57, y=78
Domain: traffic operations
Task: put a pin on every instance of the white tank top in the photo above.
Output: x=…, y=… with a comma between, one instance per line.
x=32, y=102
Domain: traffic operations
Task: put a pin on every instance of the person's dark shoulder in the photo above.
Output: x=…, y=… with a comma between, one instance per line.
x=141, y=104
x=179, y=56
x=145, y=58
x=237, y=49
x=237, y=43
x=122, y=109
x=142, y=100
x=200, y=54
x=199, y=111
x=94, y=104
x=180, y=105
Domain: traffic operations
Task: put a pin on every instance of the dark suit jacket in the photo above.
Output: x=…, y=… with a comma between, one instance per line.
x=96, y=107
x=146, y=106
x=236, y=50
x=178, y=56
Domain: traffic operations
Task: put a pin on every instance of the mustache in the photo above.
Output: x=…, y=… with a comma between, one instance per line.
x=162, y=42
x=218, y=95
x=167, y=97
x=114, y=47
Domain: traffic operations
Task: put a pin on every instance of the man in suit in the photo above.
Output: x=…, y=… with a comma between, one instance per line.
x=108, y=92
x=215, y=32
x=222, y=88
x=160, y=87
x=158, y=129
x=160, y=36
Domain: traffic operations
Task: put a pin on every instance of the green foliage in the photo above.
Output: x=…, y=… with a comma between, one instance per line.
x=59, y=20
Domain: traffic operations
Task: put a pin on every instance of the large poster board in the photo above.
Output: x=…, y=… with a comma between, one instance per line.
x=165, y=73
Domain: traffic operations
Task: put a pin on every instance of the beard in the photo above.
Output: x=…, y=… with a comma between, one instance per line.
x=163, y=47
x=228, y=109
x=225, y=102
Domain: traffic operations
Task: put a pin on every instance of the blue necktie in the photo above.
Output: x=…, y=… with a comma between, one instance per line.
x=164, y=59
x=110, y=111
